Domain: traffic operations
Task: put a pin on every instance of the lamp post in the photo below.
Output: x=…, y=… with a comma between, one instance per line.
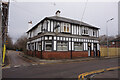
x=107, y=34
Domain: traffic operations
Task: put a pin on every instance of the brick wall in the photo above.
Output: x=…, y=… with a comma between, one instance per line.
x=56, y=55
x=59, y=54
x=77, y=54
x=38, y=54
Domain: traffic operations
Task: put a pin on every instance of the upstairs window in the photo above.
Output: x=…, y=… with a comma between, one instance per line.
x=66, y=27
x=45, y=26
x=94, y=33
x=84, y=31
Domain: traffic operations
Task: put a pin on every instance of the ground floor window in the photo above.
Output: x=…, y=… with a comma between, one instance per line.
x=32, y=47
x=78, y=46
x=48, y=45
x=39, y=46
x=62, y=46
x=28, y=47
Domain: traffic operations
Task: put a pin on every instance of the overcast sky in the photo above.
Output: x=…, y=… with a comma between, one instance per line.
x=97, y=13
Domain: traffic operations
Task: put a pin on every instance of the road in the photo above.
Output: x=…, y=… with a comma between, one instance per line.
x=16, y=60
x=62, y=70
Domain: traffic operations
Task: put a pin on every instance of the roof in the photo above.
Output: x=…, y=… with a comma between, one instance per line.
x=66, y=20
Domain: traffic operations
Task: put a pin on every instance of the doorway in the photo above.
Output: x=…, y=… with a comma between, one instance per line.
x=89, y=49
x=95, y=49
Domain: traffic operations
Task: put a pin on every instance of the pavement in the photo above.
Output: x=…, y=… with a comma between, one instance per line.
x=44, y=61
x=15, y=60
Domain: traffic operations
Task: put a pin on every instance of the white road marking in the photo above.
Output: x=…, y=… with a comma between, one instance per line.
x=34, y=64
x=17, y=66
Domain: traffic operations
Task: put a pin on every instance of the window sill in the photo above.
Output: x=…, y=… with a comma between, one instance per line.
x=66, y=32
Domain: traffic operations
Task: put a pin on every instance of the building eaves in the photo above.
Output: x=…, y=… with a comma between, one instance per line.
x=63, y=19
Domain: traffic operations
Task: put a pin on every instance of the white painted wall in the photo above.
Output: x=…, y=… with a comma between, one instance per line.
x=51, y=26
x=69, y=45
x=48, y=25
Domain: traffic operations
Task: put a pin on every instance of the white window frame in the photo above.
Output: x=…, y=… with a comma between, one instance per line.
x=39, y=44
x=78, y=44
x=62, y=46
x=67, y=26
x=85, y=31
x=49, y=43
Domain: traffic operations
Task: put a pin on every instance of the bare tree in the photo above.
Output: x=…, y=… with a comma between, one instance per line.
x=20, y=44
x=9, y=43
x=117, y=36
x=103, y=39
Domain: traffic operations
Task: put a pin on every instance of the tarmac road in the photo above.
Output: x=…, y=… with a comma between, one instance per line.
x=16, y=60
x=62, y=70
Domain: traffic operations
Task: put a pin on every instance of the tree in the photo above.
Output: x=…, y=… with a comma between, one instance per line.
x=117, y=36
x=20, y=44
x=9, y=42
x=103, y=39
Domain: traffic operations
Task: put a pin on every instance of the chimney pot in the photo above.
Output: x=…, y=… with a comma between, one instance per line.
x=57, y=13
x=29, y=25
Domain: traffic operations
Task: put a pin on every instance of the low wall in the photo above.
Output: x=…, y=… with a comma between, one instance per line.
x=59, y=54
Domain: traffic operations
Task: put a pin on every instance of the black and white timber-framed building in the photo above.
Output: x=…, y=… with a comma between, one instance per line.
x=58, y=37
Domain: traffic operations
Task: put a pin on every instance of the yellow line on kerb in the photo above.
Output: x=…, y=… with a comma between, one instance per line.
x=83, y=75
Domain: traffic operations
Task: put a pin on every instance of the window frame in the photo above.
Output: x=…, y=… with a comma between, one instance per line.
x=39, y=44
x=85, y=31
x=66, y=27
x=46, y=44
x=62, y=45
x=79, y=44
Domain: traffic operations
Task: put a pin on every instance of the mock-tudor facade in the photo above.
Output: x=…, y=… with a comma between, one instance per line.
x=58, y=37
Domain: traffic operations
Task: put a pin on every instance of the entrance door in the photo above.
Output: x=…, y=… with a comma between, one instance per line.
x=89, y=49
x=95, y=49
x=89, y=52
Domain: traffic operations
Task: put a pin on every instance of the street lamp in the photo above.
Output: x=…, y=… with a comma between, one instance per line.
x=107, y=34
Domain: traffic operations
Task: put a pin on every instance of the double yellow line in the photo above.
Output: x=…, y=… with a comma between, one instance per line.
x=84, y=75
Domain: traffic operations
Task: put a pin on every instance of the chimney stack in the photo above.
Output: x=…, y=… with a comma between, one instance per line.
x=29, y=25
x=57, y=13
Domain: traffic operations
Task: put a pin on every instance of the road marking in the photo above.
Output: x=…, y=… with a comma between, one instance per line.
x=42, y=63
x=6, y=67
x=34, y=64
x=17, y=66
x=83, y=75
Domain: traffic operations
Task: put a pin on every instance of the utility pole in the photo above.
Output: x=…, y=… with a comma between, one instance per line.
x=107, y=36
x=4, y=17
x=0, y=39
